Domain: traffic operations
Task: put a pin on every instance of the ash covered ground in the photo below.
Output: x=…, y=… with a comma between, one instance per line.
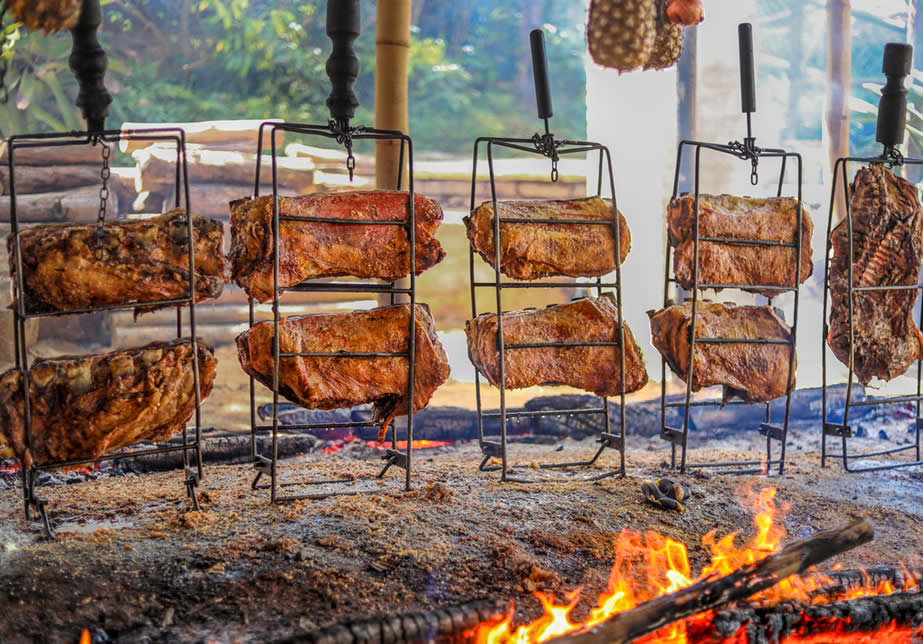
x=135, y=561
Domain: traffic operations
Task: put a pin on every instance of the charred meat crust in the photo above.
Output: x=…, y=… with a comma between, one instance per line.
x=752, y=372
x=774, y=219
x=887, y=225
x=592, y=368
x=142, y=261
x=337, y=382
x=309, y=250
x=89, y=406
x=530, y=251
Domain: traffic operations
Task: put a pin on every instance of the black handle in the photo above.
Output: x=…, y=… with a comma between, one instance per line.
x=343, y=64
x=747, y=84
x=540, y=73
x=892, y=109
x=88, y=61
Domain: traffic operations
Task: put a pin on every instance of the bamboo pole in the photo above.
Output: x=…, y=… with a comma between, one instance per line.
x=392, y=49
x=839, y=74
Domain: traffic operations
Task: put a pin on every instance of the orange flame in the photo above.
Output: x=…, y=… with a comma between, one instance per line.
x=85, y=637
x=654, y=565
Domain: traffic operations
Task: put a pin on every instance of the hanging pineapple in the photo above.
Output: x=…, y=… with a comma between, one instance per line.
x=46, y=15
x=633, y=34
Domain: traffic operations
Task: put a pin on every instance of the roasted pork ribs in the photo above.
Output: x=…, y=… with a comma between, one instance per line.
x=887, y=225
x=141, y=261
x=335, y=382
x=726, y=216
x=309, y=249
x=87, y=406
x=753, y=372
x=530, y=251
x=592, y=368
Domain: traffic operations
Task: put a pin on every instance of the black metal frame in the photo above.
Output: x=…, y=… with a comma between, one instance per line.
x=678, y=437
x=842, y=430
x=343, y=134
x=21, y=315
x=545, y=146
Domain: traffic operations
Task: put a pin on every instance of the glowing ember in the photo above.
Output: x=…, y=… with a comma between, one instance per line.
x=653, y=565
x=416, y=444
x=835, y=634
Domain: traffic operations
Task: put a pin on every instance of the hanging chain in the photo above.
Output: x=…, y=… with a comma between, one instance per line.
x=748, y=150
x=547, y=145
x=350, y=160
x=344, y=136
x=103, y=198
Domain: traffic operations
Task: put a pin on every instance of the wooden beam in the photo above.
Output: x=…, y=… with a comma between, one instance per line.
x=839, y=77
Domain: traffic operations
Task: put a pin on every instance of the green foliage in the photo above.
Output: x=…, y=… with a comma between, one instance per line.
x=179, y=60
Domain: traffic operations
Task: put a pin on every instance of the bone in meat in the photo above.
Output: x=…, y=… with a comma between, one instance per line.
x=887, y=225
x=335, y=382
x=142, y=261
x=88, y=406
x=753, y=372
x=774, y=219
x=592, y=368
x=530, y=251
x=310, y=249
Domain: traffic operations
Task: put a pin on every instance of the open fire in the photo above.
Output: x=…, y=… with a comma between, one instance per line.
x=652, y=565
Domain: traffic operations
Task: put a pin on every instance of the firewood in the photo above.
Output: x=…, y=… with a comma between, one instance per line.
x=777, y=623
x=157, y=165
x=49, y=178
x=213, y=199
x=440, y=624
x=713, y=592
x=213, y=133
x=66, y=155
x=330, y=159
x=79, y=205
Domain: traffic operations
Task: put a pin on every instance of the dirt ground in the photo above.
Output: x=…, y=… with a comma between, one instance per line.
x=132, y=558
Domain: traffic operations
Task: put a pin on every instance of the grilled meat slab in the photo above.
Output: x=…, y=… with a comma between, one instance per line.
x=774, y=219
x=533, y=251
x=333, y=382
x=142, y=261
x=887, y=225
x=754, y=373
x=89, y=406
x=309, y=249
x=590, y=368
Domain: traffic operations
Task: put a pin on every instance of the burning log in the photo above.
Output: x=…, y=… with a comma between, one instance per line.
x=868, y=615
x=447, y=624
x=713, y=592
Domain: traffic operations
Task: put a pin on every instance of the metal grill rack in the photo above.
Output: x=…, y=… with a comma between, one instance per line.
x=678, y=437
x=890, y=133
x=191, y=447
x=343, y=28
x=545, y=145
